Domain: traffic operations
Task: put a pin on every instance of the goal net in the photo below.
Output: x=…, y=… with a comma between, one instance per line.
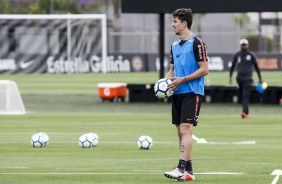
x=10, y=99
x=63, y=43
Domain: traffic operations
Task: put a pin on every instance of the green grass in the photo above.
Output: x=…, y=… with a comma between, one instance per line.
x=86, y=84
x=65, y=106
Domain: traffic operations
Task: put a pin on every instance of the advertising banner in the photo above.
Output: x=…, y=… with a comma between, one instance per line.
x=35, y=63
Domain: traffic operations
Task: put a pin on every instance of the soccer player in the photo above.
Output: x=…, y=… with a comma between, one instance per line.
x=187, y=70
x=245, y=61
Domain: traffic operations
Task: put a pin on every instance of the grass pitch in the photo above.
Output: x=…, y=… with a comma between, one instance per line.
x=66, y=106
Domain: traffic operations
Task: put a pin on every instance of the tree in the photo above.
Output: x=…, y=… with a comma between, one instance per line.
x=198, y=18
x=4, y=6
x=254, y=43
x=51, y=6
x=116, y=24
x=241, y=20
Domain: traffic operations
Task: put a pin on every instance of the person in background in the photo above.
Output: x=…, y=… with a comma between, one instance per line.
x=187, y=70
x=245, y=61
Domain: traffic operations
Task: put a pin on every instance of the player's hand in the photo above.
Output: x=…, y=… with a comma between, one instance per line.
x=261, y=81
x=176, y=82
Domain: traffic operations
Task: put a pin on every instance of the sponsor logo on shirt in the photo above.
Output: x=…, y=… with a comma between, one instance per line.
x=200, y=52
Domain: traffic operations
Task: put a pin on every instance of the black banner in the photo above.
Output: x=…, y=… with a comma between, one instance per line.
x=35, y=63
x=200, y=6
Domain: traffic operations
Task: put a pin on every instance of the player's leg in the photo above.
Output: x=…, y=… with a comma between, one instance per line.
x=186, y=150
x=188, y=174
x=240, y=91
x=175, y=114
x=186, y=141
x=193, y=104
x=247, y=86
x=185, y=110
x=178, y=134
x=184, y=170
x=178, y=172
x=241, y=98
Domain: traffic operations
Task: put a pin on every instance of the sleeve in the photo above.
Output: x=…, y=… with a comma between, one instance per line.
x=234, y=62
x=171, y=56
x=200, y=50
x=256, y=67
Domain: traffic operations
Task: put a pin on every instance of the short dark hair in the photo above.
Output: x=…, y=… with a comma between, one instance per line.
x=184, y=14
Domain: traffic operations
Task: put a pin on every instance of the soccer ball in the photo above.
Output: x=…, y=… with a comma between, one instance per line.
x=46, y=137
x=94, y=138
x=39, y=140
x=85, y=141
x=88, y=140
x=145, y=142
x=161, y=90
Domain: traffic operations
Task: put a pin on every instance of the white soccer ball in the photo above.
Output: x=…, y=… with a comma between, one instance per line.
x=94, y=138
x=46, y=137
x=145, y=142
x=88, y=140
x=39, y=140
x=161, y=90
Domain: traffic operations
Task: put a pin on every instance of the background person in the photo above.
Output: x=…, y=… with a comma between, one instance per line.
x=245, y=60
x=187, y=70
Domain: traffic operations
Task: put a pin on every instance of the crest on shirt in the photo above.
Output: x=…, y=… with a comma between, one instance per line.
x=248, y=57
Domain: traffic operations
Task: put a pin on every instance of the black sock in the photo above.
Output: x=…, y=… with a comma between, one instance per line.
x=181, y=164
x=188, y=167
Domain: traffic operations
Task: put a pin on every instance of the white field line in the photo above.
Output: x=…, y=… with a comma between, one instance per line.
x=240, y=142
x=277, y=173
x=104, y=142
x=200, y=140
x=220, y=173
x=8, y=167
x=52, y=133
x=129, y=173
x=195, y=138
x=275, y=180
x=131, y=142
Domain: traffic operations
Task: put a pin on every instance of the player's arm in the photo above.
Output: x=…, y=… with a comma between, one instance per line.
x=257, y=68
x=202, y=71
x=170, y=72
x=200, y=53
x=234, y=62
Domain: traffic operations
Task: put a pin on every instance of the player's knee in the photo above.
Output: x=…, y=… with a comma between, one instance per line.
x=246, y=95
x=185, y=129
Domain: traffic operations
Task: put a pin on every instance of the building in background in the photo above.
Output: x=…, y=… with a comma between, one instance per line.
x=131, y=33
x=132, y=39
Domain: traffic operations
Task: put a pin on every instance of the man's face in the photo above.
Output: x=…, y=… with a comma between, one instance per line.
x=244, y=47
x=177, y=26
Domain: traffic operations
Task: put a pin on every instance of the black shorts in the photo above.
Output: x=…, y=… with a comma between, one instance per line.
x=186, y=108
